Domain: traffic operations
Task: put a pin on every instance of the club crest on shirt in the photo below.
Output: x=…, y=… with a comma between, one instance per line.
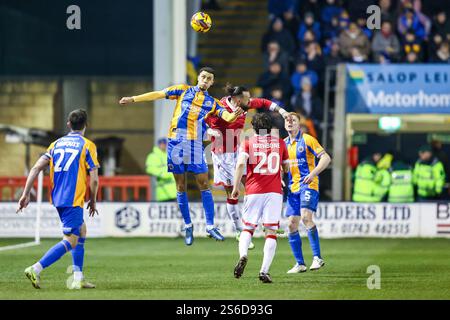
x=301, y=149
x=208, y=103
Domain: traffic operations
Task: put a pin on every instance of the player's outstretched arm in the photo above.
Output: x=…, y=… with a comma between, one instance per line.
x=258, y=103
x=40, y=165
x=149, y=96
x=93, y=185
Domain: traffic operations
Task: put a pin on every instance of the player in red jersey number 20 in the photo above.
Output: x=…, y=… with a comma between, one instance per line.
x=264, y=154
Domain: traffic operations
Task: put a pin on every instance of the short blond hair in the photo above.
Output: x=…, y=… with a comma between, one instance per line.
x=301, y=119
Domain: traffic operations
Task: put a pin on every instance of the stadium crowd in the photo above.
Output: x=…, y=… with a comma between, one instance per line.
x=305, y=36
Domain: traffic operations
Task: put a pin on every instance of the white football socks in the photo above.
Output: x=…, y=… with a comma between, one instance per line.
x=244, y=242
x=78, y=275
x=269, y=252
x=37, y=267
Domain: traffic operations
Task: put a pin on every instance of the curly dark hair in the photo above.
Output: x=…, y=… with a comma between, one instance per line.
x=262, y=122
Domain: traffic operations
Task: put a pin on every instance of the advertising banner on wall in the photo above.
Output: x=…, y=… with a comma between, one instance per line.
x=398, y=88
x=333, y=219
x=13, y=225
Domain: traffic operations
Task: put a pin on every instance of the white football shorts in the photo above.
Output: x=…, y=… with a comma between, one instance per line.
x=263, y=207
x=224, y=168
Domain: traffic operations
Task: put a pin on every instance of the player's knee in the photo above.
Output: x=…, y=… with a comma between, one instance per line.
x=203, y=184
x=181, y=187
x=293, y=224
x=308, y=221
x=73, y=240
x=83, y=231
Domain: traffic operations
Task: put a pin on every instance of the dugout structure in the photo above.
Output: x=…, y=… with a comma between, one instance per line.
x=385, y=108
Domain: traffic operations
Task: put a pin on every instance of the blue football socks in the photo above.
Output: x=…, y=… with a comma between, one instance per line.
x=296, y=246
x=313, y=236
x=56, y=252
x=78, y=255
x=183, y=204
x=208, y=205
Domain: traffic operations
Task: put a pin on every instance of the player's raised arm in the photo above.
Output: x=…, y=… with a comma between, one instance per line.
x=149, y=96
x=40, y=165
x=260, y=103
x=172, y=92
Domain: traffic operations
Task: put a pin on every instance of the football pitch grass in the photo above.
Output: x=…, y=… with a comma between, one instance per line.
x=164, y=268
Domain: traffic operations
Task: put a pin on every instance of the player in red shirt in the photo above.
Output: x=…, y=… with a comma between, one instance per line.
x=264, y=155
x=225, y=142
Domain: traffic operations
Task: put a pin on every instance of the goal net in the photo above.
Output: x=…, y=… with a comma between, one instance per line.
x=25, y=225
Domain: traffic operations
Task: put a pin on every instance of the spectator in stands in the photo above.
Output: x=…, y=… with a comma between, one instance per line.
x=278, y=7
x=412, y=57
x=433, y=45
x=344, y=21
x=386, y=43
x=441, y=25
x=331, y=31
x=156, y=166
x=412, y=44
x=425, y=20
x=409, y=20
x=278, y=33
x=442, y=55
x=362, y=24
x=329, y=11
x=387, y=11
x=357, y=56
x=276, y=95
x=275, y=54
x=274, y=77
x=291, y=22
x=314, y=59
x=308, y=103
x=353, y=38
x=309, y=24
x=334, y=55
x=301, y=72
x=313, y=6
x=308, y=38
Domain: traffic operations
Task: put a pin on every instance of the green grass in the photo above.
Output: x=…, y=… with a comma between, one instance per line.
x=156, y=268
